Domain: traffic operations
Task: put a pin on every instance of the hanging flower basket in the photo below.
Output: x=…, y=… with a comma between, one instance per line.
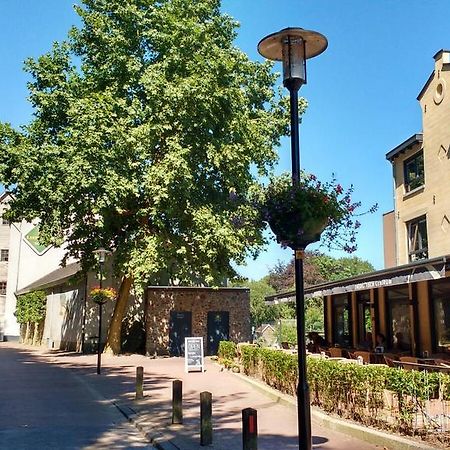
x=102, y=295
x=295, y=232
x=298, y=214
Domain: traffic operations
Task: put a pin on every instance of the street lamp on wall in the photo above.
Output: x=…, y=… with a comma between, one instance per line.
x=101, y=258
x=293, y=46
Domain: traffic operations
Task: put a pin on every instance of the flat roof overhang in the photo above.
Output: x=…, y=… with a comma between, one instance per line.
x=52, y=279
x=404, y=146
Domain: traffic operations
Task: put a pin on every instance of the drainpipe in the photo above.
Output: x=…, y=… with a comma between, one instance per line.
x=396, y=216
x=19, y=229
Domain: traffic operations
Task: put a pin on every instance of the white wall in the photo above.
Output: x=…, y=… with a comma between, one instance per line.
x=25, y=266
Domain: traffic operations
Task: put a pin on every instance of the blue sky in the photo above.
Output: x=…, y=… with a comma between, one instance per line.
x=361, y=92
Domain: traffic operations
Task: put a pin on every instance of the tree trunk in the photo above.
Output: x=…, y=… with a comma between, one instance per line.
x=113, y=341
x=33, y=340
x=23, y=328
x=27, y=334
x=37, y=333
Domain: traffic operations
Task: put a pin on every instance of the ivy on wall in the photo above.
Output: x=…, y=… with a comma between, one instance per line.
x=30, y=314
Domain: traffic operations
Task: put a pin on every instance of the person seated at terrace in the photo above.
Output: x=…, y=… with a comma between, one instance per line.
x=316, y=342
x=367, y=343
x=380, y=340
x=399, y=342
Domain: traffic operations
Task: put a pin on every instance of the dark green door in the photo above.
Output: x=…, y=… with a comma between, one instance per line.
x=218, y=330
x=180, y=326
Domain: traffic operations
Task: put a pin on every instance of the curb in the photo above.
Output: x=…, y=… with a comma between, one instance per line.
x=154, y=437
x=385, y=440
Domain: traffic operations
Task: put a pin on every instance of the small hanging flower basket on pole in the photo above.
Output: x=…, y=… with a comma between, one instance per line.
x=298, y=214
x=102, y=295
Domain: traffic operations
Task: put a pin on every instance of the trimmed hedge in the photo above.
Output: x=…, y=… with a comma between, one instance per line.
x=227, y=350
x=353, y=391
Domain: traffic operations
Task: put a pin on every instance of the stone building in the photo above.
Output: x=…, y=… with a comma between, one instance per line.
x=173, y=313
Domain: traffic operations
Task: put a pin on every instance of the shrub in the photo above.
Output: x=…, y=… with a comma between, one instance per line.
x=227, y=350
x=351, y=390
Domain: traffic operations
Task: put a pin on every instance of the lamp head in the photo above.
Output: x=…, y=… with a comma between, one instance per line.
x=101, y=254
x=293, y=46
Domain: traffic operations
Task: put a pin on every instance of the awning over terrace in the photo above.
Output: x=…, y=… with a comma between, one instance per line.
x=430, y=269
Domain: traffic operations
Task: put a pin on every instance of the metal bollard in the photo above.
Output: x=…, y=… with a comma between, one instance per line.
x=249, y=429
x=139, y=383
x=205, y=418
x=177, y=402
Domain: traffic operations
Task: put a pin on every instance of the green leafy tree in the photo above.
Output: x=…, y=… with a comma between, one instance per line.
x=259, y=312
x=286, y=332
x=333, y=269
x=314, y=314
x=147, y=123
x=318, y=268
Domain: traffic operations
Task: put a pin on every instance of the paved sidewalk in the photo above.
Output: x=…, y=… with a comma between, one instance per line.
x=277, y=422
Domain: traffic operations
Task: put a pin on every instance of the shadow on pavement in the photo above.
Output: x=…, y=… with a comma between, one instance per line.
x=85, y=389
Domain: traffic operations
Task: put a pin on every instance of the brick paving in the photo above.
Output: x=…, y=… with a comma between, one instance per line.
x=277, y=422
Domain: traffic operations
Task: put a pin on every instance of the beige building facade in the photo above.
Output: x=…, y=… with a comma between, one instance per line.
x=420, y=221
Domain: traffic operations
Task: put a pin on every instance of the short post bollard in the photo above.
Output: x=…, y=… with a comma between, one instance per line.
x=177, y=402
x=205, y=418
x=249, y=429
x=139, y=383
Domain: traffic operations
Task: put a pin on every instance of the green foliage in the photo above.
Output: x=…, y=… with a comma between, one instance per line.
x=314, y=314
x=148, y=123
x=284, y=310
x=333, y=269
x=286, y=332
x=31, y=307
x=260, y=313
x=351, y=390
x=318, y=268
x=227, y=350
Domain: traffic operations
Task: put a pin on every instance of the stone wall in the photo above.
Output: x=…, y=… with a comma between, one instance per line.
x=162, y=300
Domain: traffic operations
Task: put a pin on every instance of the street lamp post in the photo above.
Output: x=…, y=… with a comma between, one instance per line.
x=293, y=46
x=101, y=257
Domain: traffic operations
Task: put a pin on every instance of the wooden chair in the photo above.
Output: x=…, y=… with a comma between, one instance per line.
x=408, y=359
x=389, y=361
x=335, y=352
x=364, y=355
x=286, y=345
x=442, y=362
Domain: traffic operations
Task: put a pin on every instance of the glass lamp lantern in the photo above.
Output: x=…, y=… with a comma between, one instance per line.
x=293, y=46
x=101, y=254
